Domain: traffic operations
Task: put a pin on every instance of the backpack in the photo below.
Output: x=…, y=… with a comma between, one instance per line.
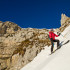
x=48, y=37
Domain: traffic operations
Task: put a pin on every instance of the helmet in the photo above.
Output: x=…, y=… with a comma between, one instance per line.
x=52, y=29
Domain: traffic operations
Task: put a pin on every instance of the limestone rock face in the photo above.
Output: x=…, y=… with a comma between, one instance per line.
x=8, y=28
x=19, y=46
x=65, y=21
x=63, y=18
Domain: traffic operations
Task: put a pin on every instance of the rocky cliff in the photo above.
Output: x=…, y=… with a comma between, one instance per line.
x=19, y=46
x=65, y=21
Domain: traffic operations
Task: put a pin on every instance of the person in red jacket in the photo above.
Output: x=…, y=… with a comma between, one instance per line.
x=52, y=36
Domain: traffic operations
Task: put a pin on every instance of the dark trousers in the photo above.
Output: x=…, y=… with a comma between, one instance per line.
x=52, y=43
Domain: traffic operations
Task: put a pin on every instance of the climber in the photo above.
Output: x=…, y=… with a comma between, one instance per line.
x=52, y=36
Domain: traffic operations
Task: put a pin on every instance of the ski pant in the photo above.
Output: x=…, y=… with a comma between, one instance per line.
x=52, y=43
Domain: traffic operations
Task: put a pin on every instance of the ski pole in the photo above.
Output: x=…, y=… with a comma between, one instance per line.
x=62, y=35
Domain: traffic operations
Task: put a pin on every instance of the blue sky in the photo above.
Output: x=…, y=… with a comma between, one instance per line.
x=34, y=13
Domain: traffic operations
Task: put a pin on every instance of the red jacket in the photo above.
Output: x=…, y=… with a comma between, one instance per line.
x=52, y=35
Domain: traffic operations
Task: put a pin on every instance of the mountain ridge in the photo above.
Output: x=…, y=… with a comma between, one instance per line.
x=19, y=46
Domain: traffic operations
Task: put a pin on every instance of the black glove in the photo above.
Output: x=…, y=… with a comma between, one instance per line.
x=59, y=34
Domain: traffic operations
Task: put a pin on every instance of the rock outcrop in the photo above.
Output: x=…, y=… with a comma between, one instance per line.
x=65, y=21
x=63, y=18
x=8, y=28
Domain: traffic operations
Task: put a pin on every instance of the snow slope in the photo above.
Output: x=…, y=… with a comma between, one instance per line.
x=60, y=60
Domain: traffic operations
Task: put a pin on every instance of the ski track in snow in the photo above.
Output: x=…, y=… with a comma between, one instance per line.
x=60, y=60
